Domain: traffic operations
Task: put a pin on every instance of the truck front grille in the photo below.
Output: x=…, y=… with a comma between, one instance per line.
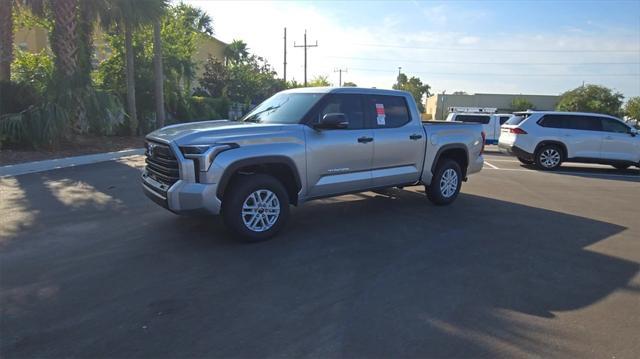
x=162, y=164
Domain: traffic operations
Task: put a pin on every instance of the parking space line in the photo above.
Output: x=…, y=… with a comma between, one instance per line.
x=587, y=174
x=499, y=160
x=492, y=166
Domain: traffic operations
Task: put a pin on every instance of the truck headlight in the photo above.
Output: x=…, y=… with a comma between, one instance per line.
x=205, y=154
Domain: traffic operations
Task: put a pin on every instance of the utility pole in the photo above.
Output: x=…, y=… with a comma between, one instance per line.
x=340, y=71
x=285, y=56
x=305, y=46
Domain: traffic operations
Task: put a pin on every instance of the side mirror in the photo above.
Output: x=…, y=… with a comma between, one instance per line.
x=332, y=121
x=633, y=132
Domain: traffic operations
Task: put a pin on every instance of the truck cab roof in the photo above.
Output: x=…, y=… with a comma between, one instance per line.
x=349, y=90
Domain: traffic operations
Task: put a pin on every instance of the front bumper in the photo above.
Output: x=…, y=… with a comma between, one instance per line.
x=183, y=197
x=513, y=150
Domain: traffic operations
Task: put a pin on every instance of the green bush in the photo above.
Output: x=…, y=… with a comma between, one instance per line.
x=16, y=97
x=38, y=126
x=34, y=69
x=207, y=108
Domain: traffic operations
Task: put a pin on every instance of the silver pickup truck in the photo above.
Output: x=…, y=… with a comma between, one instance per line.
x=305, y=144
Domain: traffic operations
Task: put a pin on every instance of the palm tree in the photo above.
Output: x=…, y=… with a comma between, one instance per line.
x=236, y=52
x=6, y=39
x=158, y=74
x=127, y=15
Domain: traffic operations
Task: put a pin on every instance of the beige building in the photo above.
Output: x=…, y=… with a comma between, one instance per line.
x=437, y=105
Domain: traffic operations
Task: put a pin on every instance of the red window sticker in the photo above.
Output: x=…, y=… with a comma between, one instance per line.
x=381, y=115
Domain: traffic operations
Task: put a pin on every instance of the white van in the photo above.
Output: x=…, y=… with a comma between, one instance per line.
x=491, y=123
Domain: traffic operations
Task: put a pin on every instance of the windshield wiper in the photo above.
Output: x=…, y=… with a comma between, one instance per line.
x=254, y=117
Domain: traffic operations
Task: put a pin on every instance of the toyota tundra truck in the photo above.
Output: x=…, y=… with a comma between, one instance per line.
x=304, y=144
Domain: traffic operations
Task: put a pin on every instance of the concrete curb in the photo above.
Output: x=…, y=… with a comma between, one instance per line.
x=47, y=165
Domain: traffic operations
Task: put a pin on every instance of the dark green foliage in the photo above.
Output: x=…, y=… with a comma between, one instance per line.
x=414, y=86
x=521, y=104
x=38, y=126
x=32, y=69
x=16, y=97
x=215, y=78
x=592, y=98
x=178, y=48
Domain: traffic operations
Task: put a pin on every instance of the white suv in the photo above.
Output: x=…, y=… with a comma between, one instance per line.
x=547, y=139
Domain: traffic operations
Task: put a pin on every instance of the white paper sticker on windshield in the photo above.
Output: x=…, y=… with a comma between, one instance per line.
x=381, y=115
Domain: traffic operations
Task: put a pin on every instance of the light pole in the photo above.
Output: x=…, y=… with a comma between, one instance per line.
x=442, y=117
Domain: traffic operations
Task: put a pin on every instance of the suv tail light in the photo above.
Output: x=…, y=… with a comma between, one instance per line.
x=517, y=131
x=484, y=138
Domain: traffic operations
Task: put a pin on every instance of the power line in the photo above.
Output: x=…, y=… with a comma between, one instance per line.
x=488, y=50
x=340, y=71
x=483, y=63
x=305, y=46
x=491, y=74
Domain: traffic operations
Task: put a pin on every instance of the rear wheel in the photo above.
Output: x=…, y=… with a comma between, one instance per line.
x=445, y=184
x=549, y=157
x=256, y=207
x=525, y=161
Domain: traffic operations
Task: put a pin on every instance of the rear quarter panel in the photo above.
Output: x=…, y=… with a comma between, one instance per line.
x=451, y=134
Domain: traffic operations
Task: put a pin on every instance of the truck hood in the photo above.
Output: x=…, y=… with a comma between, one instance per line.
x=208, y=132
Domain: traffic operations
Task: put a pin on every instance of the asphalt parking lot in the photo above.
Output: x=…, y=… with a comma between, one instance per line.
x=524, y=263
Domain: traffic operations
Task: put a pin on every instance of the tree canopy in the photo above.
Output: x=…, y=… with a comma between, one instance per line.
x=591, y=98
x=632, y=108
x=521, y=104
x=414, y=86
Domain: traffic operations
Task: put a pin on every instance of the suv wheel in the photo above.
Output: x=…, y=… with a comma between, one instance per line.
x=256, y=207
x=525, y=161
x=549, y=157
x=445, y=184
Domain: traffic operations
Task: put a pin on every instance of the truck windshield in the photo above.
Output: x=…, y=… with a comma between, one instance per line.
x=283, y=108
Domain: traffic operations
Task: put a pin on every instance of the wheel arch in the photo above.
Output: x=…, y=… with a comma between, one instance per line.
x=455, y=151
x=281, y=167
x=562, y=146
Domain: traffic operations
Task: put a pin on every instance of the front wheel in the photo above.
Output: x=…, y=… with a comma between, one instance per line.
x=256, y=207
x=445, y=184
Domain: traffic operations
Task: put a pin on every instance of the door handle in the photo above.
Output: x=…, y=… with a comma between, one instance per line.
x=608, y=138
x=415, y=137
x=365, y=139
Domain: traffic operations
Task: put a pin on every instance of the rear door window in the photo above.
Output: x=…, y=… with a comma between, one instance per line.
x=571, y=122
x=584, y=123
x=484, y=119
x=611, y=125
x=387, y=111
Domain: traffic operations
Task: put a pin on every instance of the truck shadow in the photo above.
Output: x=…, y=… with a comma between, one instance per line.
x=631, y=174
x=365, y=275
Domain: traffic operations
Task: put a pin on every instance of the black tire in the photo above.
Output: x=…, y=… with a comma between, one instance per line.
x=235, y=197
x=621, y=167
x=545, y=152
x=435, y=192
x=525, y=161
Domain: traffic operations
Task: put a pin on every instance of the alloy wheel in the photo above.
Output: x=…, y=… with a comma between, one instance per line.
x=549, y=158
x=260, y=210
x=449, y=183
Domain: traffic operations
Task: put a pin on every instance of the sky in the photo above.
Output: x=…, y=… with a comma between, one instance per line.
x=521, y=47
